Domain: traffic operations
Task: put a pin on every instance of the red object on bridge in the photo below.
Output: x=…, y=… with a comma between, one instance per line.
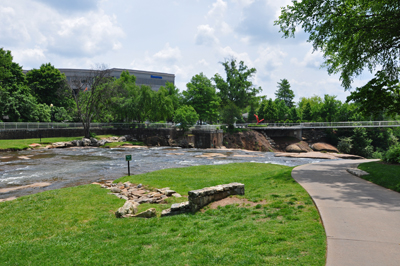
x=258, y=121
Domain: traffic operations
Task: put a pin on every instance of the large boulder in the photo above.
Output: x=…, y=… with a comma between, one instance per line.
x=94, y=142
x=34, y=145
x=129, y=208
x=86, y=142
x=75, y=142
x=320, y=146
x=69, y=144
x=102, y=142
x=58, y=145
x=122, y=139
x=147, y=214
x=295, y=148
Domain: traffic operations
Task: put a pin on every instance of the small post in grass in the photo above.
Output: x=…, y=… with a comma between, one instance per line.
x=40, y=137
x=128, y=158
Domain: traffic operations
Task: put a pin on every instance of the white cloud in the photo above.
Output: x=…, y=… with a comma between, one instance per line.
x=81, y=35
x=218, y=9
x=29, y=57
x=312, y=59
x=168, y=54
x=205, y=35
x=12, y=29
x=85, y=36
x=228, y=53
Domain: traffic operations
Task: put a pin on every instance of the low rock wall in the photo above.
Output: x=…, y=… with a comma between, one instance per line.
x=202, y=197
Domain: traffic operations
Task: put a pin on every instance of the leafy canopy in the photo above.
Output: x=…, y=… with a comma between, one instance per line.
x=46, y=83
x=238, y=87
x=352, y=34
x=202, y=96
x=186, y=117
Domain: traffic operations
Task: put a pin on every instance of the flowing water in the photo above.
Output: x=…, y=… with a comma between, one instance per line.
x=77, y=166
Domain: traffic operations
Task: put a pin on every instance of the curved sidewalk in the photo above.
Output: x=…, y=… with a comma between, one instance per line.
x=361, y=219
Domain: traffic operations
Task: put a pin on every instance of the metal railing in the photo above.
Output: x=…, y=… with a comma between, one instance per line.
x=352, y=124
x=42, y=125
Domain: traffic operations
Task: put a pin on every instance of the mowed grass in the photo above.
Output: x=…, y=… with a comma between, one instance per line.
x=77, y=226
x=20, y=144
x=385, y=175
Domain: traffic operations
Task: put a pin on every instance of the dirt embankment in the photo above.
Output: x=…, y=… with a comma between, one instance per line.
x=249, y=140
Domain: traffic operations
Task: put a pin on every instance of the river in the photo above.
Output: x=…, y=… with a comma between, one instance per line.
x=77, y=166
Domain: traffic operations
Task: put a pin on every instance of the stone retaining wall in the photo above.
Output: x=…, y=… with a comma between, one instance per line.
x=202, y=197
x=208, y=138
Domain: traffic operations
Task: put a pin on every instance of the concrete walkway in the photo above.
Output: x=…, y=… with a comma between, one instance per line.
x=361, y=219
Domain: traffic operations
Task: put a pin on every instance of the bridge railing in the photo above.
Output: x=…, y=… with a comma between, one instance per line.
x=351, y=124
x=42, y=125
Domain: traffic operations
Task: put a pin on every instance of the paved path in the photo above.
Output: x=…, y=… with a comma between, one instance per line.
x=361, y=219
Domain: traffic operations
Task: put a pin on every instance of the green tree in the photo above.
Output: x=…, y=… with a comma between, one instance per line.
x=285, y=93
x=46, y=83
x=16, y=100
x=282, y=110
x=330, y=108
x=270, y=111
x=162, y=105
x=202, y=96
x=93, y=94
x=293, y=114
x=353, y=36
x=315, y=107
x=186, y=116
x=238, y=87
x=378, y=94
x=230, y=114
x=261, y=109
x=307, y=113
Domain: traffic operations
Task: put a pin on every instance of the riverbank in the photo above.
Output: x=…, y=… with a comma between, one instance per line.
x=77, y=225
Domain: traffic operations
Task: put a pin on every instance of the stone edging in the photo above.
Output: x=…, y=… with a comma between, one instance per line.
x=201, y=197
x=357, y=172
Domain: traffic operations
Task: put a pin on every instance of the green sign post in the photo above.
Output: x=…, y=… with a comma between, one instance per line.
x=128, y=158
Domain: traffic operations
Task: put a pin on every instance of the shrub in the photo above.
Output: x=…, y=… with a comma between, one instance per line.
x=361, y=143
x=345, y=145
x=392, y=155
x=377, y=155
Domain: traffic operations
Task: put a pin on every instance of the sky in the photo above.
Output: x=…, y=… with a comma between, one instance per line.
x=182, y=37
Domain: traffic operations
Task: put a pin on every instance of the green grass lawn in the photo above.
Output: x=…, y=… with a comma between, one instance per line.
x=20, y=144
x=385, y=175
x=77, y=226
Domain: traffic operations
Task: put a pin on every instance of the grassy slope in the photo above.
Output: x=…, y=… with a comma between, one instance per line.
x=75, y=226
x=385, y=175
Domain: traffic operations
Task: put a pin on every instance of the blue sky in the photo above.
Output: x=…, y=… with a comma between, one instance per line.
x=181, y=37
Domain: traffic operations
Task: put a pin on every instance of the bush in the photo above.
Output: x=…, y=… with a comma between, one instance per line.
x=361, y=143
x=392, y=155
x=377, y=155
x=345, y=145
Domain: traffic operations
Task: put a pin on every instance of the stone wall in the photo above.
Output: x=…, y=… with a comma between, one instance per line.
x=202, y=197
x=208, y=139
